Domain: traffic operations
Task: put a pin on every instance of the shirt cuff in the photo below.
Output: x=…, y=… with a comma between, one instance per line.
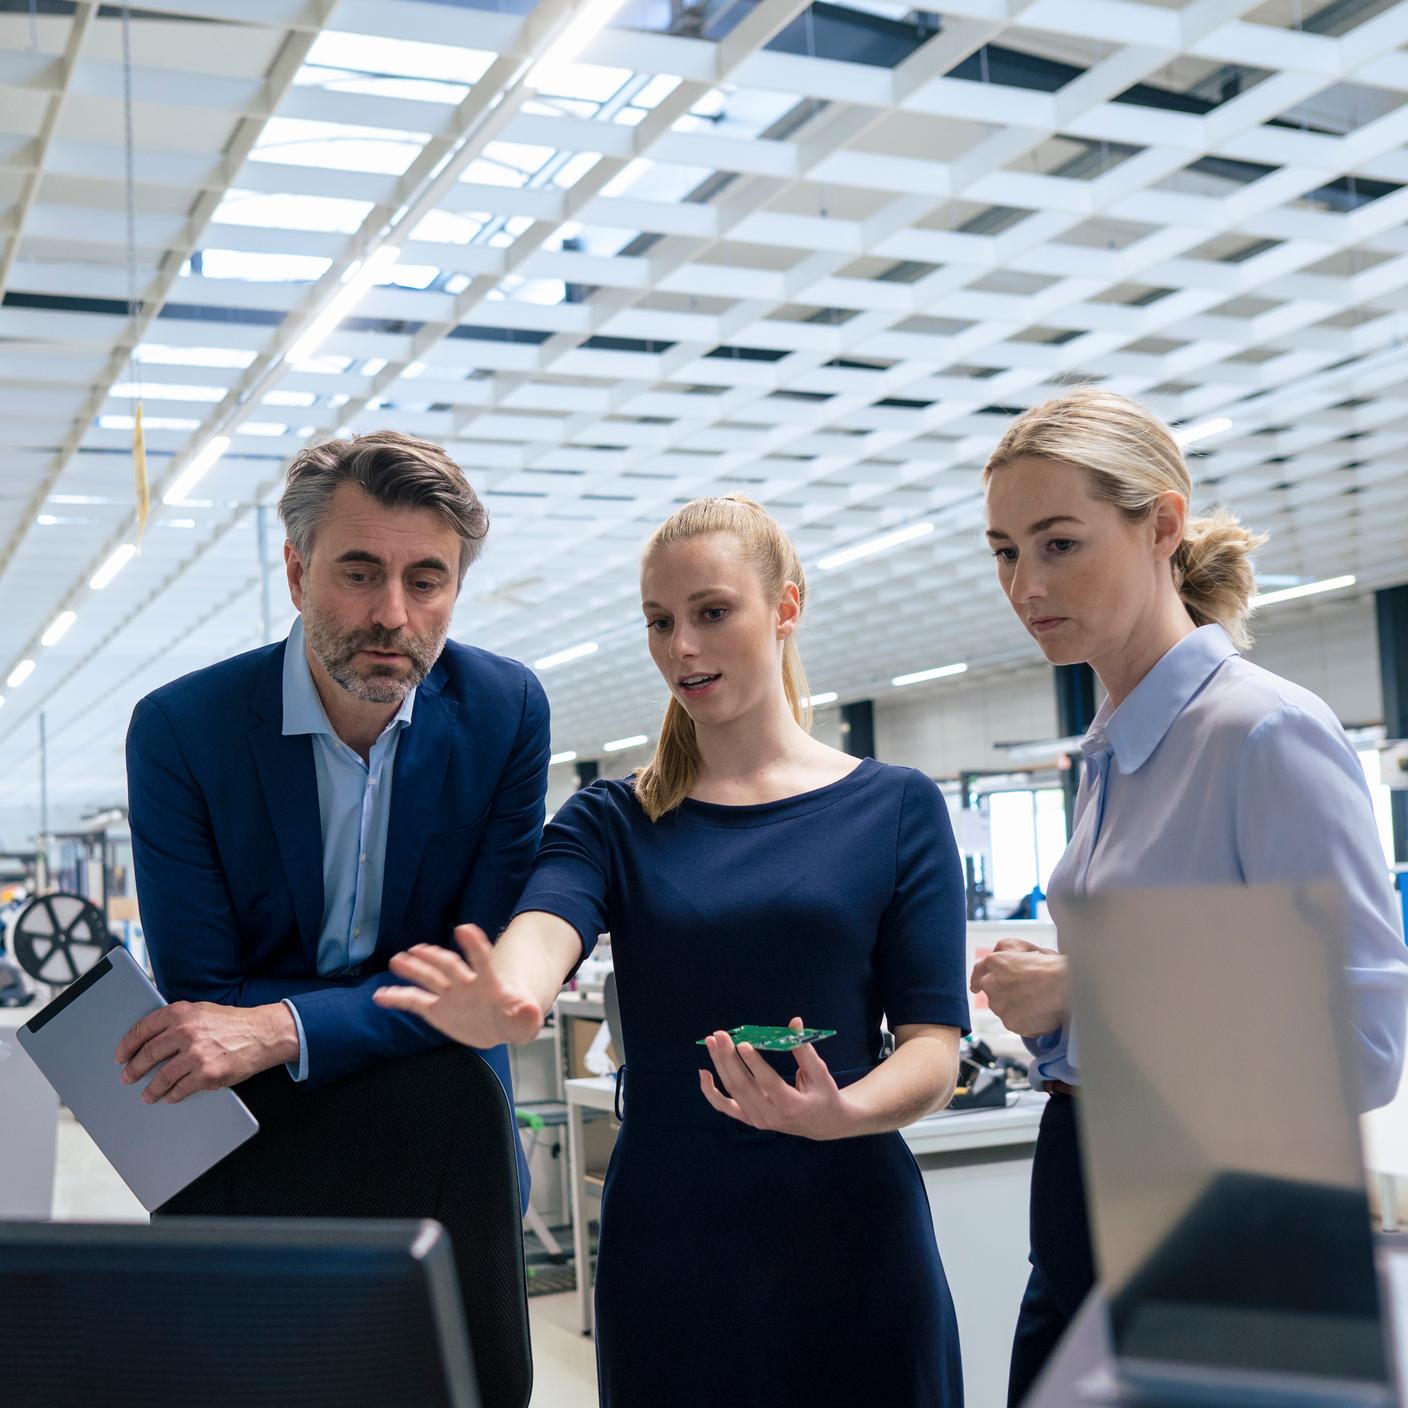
x=299, y=1069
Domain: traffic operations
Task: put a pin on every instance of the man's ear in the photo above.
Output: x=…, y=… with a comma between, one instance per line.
x=294, y=567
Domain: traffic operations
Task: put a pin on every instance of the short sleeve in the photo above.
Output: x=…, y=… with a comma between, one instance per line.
x=921, y=951
x=1304, y=813
x=571, y=876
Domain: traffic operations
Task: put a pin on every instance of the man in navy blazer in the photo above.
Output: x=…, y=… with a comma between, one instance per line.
x=304, y=811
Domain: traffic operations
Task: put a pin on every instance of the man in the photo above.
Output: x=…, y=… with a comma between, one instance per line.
x=302, y=812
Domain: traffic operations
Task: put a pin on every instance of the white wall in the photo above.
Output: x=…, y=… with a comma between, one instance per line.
x=954, y=725
x=951, y=726
x=1330, y=648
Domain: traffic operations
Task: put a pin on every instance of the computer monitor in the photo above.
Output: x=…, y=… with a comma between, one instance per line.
x=1219, y=1121
x=315, y=1314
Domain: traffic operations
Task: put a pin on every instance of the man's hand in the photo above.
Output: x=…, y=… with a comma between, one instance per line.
x=204, y=1046
x=1026, y=987
x=466, y=998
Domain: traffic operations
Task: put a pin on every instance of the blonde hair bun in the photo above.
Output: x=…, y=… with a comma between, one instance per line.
x=1132, y=458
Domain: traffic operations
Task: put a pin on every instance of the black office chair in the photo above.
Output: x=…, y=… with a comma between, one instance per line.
x=429, y=1135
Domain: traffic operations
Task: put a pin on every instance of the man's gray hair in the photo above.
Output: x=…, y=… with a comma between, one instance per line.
x=398, y=471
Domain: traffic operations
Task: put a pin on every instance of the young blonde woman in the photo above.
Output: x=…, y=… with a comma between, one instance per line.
x=1199, y=769
x=765, y=1235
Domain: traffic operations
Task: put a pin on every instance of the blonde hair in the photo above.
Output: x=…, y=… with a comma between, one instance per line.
x=666, y=780
x=1132, y=458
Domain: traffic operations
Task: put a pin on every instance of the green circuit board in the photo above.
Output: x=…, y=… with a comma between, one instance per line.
x=774, y=1038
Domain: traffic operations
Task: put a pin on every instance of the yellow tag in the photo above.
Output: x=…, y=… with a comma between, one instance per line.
x=139, y=470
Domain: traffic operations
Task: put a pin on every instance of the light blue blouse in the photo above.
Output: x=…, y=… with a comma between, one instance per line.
x=1216, y=772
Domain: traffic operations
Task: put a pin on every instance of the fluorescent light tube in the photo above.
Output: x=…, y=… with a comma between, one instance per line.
x=355, y=283
x=1330, y=584
x=59, y=628
x=880, y=544
x=617, y=744
x=817, y=700
x=201, y=465
x=117, y=560
x=567, y=757
x=942, y=672
x=561, y=657
x=1191, y=434
x=1041, y=750
x=567, y=47
x=20, y=674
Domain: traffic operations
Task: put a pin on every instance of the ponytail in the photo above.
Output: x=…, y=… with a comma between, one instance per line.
x=670, y=775
x=1212, y=570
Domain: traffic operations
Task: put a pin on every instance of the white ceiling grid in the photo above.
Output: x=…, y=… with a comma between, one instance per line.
x=701, y=264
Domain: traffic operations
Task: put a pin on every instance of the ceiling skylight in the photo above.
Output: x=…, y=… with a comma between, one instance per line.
x=263, y=268
x=332, y=214
x=164, y=355
x=403, y=58
x=295, y=141
x=166, y=391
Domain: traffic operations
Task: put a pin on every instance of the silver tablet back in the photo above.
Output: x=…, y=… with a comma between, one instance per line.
x=156, y=1149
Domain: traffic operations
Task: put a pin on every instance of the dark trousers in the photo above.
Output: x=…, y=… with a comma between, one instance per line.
x=1063, y=1266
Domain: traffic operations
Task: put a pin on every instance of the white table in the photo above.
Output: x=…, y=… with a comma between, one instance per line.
x=1385, y=1135
x=583, y=1094
x=977, y=1174
x=977, y=1169
x=571, y=1007
x=29, y=1126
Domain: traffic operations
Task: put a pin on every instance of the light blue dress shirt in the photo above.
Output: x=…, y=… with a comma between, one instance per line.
x=354, y=805
x=1216, y=772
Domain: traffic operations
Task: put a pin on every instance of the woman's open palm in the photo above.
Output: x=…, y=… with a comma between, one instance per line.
x=463, y=997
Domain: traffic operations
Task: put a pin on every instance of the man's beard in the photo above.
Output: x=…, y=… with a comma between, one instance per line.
x=374, y=683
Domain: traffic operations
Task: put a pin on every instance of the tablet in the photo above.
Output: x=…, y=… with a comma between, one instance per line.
x=156, y=1149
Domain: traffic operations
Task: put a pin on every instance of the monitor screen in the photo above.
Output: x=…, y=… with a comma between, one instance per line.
x=310, y=1314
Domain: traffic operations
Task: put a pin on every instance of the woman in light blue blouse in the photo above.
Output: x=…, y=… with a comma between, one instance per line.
x=1199, y=769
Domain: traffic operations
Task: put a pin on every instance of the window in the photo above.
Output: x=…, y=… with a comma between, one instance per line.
x=1028, y=836
x=1382, y=795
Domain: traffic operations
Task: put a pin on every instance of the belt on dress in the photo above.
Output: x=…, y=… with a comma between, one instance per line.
x=1059, y=1087
x=674, y=1099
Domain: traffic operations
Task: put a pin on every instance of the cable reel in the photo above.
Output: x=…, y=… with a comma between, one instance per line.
x=57, y=937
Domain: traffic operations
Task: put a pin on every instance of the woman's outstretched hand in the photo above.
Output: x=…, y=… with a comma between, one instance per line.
x=814, y=1108
x=463, y=997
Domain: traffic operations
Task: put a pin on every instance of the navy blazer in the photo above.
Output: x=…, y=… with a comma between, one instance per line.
x=227, y=841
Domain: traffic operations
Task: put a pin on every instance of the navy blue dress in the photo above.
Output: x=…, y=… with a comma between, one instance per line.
x=737, y=1266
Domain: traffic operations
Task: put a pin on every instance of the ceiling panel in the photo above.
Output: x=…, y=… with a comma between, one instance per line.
x=820, y=257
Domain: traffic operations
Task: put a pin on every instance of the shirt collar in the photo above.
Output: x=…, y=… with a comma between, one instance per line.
x=1138, y=726
x=303, y=710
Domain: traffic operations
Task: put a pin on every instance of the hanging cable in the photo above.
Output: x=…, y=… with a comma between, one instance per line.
x=139, y=444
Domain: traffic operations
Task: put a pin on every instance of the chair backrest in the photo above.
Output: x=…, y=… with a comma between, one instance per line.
x=428, y=1135
x=613, y=1017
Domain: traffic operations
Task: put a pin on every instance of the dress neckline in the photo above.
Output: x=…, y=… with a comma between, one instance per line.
x=759, y=813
